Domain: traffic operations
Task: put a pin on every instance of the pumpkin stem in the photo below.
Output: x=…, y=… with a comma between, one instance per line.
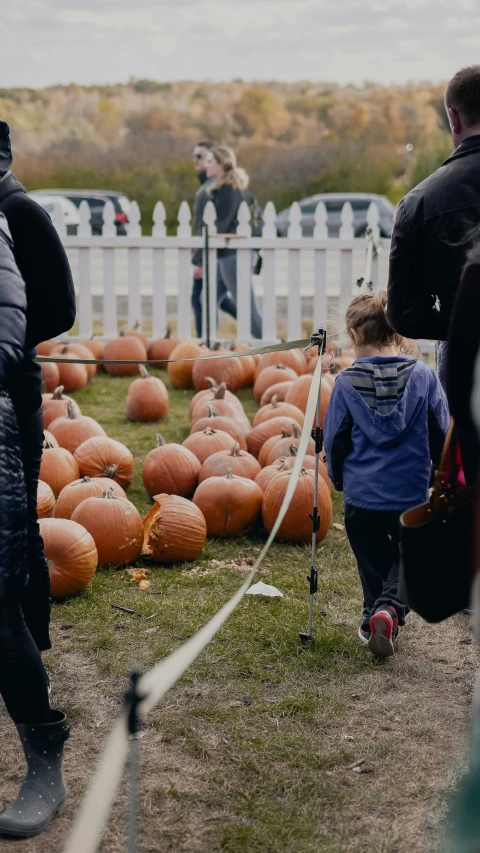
x=136, y=326
x=220, y=392
x=143, y=371
x=64, y=350
x=235, y=451
x=229, y=474
x=71, y=411
x=211, y=382
x=108, y=494
x=58, y=393
x=216, y=347
x=285, y=433
x=280, y=366
x=110, y=471
x=212, y=412
x=47, y=445
x=283, y=464
x=233, y=345
x=85, y=479
x=293, y=450
x=160, y=441
x=274, y=402
x=168, y=333
x=296, y=431
x=209, y=431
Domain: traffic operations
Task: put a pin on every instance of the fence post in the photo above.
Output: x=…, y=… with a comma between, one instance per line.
x=184, y=275
x=346, y=259
x=269, y=304
x=373, y=224
x=244, y=275
x=320, y=232
x=85, y=321
x=159, y=308
x=294, y=298
x=109, y=294
x=209, y=292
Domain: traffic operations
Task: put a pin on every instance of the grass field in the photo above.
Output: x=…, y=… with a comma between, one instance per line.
x=254, y=750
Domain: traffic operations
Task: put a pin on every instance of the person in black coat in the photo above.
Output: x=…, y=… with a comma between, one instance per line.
x=23, y=680
x=433, y=226
x=51, y=309
x=227, y=190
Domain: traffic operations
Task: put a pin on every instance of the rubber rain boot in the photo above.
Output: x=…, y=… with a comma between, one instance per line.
x=43, y=793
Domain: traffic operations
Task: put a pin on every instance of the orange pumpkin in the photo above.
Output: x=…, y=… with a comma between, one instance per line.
x=137, y=333
x=262, y=432
x=293, y=358
x=180, y=374
x=267, y=474
x=126, y=347
x=298, y=394
x=71, y=556
x=73, y=429
x=209, y=396
x=308, y=463
x=78, y=350
x=160, y=350
x=287, y=432
x=115, y=525
x=172, y=468
x=279, y=390
x=94, y=346
x=217, y=421
x=248, y=363
x=241, y=464
x=283, y=445
x=272, y=376
x=73, y=377
x=55, y=405
x=47, y=436
x=231, y=505
x=174, y=530
x=45, y=500
x=101, y=456
x=278, y=410
x=204, y=444
x=227, y=370
x=58, y=467
x=79, y=490
x=225, y=407
x=45, y=347
x=147, y=398
x=297, y=524
x=50, y=376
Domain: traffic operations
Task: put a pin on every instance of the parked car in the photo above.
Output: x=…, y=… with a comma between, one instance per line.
x=70, y=212
x=96, y=200
x=334, y=203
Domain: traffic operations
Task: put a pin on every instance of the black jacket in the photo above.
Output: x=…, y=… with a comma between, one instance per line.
x=44, y=266
x=13, y=500
x=431, y=237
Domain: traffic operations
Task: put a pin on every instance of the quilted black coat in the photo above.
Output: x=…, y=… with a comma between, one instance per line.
x=13, y=499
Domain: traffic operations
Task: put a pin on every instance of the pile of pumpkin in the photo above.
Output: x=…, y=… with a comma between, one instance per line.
x=224, y=478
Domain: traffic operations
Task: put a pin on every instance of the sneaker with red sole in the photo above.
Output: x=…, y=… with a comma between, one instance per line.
x=384, y=629
x=364, y=635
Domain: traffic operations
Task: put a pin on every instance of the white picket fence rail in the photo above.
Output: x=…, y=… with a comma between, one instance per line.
x=149, y=278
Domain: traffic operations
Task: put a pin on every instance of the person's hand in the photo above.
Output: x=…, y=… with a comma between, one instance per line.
x=198, y=272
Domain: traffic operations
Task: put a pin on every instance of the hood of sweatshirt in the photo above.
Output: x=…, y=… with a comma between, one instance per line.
x=385, y=395
x=10, y=184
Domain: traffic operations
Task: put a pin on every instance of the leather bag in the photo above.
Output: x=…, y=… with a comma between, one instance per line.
x=436, y=542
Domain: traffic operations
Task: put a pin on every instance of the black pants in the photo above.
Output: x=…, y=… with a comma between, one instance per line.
x=36, y=602
x=374, y=537
x=23, y=680
x=224, y=301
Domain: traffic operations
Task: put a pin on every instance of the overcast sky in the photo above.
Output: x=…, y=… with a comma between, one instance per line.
x=43, y=42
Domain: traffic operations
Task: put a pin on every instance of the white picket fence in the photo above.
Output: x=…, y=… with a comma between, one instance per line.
x=149, y=278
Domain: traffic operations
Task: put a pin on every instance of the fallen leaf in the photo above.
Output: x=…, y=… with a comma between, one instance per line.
x=144, y=585
x=338, y=526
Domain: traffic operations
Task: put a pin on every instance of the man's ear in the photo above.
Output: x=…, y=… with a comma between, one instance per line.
x=455, y=120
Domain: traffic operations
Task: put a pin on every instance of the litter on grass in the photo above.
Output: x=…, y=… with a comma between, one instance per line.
x=261, y=588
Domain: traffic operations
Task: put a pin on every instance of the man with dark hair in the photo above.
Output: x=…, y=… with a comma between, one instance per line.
x=434, y=224
x=223, y=299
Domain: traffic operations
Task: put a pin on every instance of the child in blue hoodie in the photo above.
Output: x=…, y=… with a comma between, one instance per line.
x=384, y=428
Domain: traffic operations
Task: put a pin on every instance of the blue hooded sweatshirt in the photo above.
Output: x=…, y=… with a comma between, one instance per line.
x=384, y=427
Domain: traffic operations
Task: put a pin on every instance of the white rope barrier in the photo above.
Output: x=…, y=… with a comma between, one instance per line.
x=92, y=817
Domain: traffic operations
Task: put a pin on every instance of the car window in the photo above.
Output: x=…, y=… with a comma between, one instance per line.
x=308, y=209
x=362, y=205
x=92, y=202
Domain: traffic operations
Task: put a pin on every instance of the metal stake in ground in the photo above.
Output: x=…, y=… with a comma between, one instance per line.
x=132, y=700
x=206, y=286
x=317, y=435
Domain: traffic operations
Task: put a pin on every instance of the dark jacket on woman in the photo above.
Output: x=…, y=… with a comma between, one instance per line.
x=13, y=498
x=430, y=240
x=227, y=200
x=463, y=347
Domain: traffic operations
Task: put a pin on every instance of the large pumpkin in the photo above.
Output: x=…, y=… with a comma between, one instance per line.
x=74, y=493
x=73, y=429
x=55, y=405
x=261, y=433
x=217, y=421
x=147, y=398
x=271, y=442
x=160, y=349
x=104, y=457
x=248, y=363
x=73, y=376
x=210, y=396
x=279, y=390
x=136, y=332
x=277, y=409
x=47, y=436
x=180, y=373
x=95, y=346
x=174, y=530
x=308, y=462
x=204, y=444
x=45, y=500
x=298, y=394
x=224, y=406
x=45, y=347
x=283, y=446
x=267, y=474
x=240, y=463
x=50, y=376
x=293, y=358
x=125, y=347
x=115, y=525
x=272, y=376
x=297, y=524
x=58, y=467
x=228, y=370
x=231, y=505
x=79, y=351
x=71, y=556
x=170, y=468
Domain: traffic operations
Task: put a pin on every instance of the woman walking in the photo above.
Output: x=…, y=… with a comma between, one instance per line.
x=23, y=680
x=228, y=188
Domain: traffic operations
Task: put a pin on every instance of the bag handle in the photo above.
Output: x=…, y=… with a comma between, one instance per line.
x=448, y=461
